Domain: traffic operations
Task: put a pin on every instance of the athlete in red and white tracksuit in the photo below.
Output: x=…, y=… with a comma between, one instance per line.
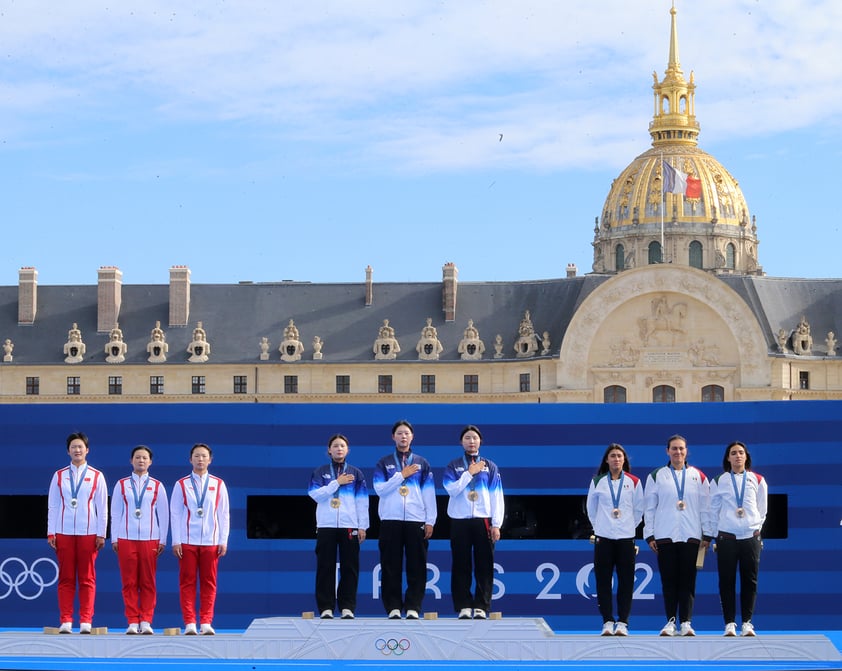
x=200, y=521
x=77, y=516
x=140, y=517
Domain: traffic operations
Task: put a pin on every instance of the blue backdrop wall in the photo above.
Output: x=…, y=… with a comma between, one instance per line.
x=541, y=449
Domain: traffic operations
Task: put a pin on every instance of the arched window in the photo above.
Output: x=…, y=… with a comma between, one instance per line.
x=663, y=393
x=614, y=394
x=730, y=256
x=713, y=393
x=619, y=258
x=655, y=255
x=696, y=254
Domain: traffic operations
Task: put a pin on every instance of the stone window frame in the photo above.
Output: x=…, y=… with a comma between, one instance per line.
x=241, y=384
x=666, y=393
x=33, y=386
x=343, y=384
x=713, y=393
x=695, y=252
x=525, y=382
x=615, y=393
x=290, y=384
x=74, y=385
x=384, y=384
x=471, y=384
x=197, y=384
x=115, y=385
x=428, y=383
x=156, y=385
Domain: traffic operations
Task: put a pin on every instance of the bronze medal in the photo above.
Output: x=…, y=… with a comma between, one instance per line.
x=680, y=505
x=616, y=513
x=741, y=512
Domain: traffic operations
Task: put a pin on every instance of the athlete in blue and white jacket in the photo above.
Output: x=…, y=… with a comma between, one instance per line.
x=341, y=498
x=476, y=510
x=404, y=482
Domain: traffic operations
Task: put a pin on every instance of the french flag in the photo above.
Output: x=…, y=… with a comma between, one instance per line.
x=681, y=183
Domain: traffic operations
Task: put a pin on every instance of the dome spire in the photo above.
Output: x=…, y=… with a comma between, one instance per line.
x=674, y=121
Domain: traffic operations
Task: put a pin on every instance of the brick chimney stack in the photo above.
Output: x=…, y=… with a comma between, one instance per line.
x=109, y=296
x=27, y=295
x=179, y=295
x=448, y=290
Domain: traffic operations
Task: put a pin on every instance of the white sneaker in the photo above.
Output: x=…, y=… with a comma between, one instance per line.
x=465, y=614
x=132, y=629
x=206, y=629
x=607, y=628
x=347, y=614
x=730, y=629
x=327, y=614
x=84, y=627
x=748, y=629
x=394, y=614
x=412, y=615
x=190, y=629
x=146, y=628
x=66, y=628
x=621, y=629
x=686, y=629
x=669, y=628
x=479, y=614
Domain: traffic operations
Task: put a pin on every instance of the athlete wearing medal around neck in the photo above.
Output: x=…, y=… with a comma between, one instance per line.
x=200, y=521
x=676, y=521
x=476, y=511
x=738, y=501
x=615, y=509
x=77, y=516
x=341, y=498
x=140, y=518
x=407, y=509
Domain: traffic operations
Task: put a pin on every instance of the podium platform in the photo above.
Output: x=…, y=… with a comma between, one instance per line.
x=379, y=639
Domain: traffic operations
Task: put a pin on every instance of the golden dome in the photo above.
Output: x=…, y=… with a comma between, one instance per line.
x=675, y=203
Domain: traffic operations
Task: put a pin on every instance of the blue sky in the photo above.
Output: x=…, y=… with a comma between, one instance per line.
x=306, y=140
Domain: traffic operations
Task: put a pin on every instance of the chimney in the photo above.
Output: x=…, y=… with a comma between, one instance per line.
x=179, y=295
x=448, y=291
x=108, y=298
x=369, y=287
x=572, y=270
x=27, y=295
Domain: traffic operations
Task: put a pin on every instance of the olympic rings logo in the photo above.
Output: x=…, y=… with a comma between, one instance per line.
x=391, y=646
x=24, y=575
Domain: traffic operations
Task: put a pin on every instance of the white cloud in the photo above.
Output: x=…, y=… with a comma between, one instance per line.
x=422, y=85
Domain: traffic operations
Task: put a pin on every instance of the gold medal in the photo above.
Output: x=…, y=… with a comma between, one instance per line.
x=334, y=502
x=616, y=513
x=472, y=495
x=680, y=505
x=403, y=490
x=741, y=512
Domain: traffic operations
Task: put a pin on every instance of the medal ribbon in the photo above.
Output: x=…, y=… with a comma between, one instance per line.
x=474, y=457
x=616, y=499
x=200, y=502
x=408, y=462
x=138, y=500
x=334, y=473
x=742, y=493
x=77, y=484
x=679, y=489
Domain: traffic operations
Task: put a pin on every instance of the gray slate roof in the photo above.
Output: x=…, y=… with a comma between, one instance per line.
x=236, y=316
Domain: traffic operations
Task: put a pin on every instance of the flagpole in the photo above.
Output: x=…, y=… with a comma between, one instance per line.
x=663, y=204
